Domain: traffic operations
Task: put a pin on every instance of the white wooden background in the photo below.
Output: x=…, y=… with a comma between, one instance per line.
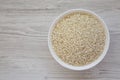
x=24, y=53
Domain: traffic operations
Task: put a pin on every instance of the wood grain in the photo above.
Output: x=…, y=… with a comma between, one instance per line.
x=24, y=53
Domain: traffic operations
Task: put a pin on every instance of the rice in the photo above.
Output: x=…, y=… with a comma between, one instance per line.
x=78, y=38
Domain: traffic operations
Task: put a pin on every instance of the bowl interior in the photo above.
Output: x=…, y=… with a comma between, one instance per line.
x=85, y=66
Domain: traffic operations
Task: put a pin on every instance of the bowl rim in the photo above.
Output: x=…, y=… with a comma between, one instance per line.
x=84, y=67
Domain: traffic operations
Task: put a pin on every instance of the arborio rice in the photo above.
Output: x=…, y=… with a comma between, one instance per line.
x=78, y=38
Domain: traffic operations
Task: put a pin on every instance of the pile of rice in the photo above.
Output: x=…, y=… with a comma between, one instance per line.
x=78, y=38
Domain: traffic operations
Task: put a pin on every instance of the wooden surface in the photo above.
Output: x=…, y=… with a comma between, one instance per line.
x=24, y=53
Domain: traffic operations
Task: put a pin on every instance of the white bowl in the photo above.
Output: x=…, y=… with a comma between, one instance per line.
x=85, y=66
